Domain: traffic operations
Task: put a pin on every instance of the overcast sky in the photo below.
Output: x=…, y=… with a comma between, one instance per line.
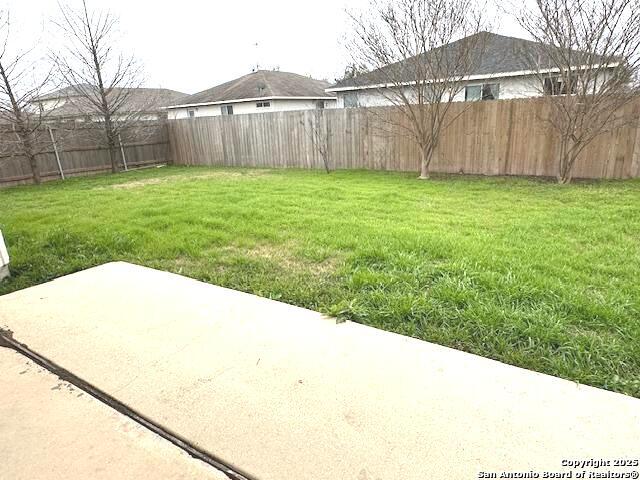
x=191, y=45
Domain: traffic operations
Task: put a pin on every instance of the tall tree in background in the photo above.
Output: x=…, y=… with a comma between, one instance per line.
x=351, y=71
x=98, y=73
x=587, y=62
x=400, y=43
x=22, y=80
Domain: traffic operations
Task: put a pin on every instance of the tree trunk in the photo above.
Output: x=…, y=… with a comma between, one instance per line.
x=113, y=157
x=326, y=162
x=565, y=179
x=28, y=150
x=111, y=145
x=426, y=154
x=35, y=169
x=568, y=156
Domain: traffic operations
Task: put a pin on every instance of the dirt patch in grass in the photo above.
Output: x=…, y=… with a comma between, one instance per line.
x=246, y=174
x=281, y=255
x=136, y=184
x=222, y=174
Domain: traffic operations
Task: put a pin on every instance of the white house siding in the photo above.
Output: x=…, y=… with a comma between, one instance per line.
x=510, y=87
x=287, y=105
x=148, y=117
x=46, y=105
x=239, y=108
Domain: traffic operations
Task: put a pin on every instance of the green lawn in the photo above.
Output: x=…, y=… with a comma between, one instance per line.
x=526, y=272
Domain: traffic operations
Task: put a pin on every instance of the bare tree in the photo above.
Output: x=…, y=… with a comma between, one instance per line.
x=351, y=71
x=22, y=80
x=586, y=63
x=317, y=129
x=102, y=79
x=402, y=44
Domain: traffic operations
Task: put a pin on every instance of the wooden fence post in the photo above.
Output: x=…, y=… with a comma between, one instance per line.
x=55, y=150
x=124, y=158
x=635, y=153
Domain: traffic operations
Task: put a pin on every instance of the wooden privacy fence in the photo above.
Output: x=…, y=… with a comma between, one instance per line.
x=81, y=151
x=506, y=137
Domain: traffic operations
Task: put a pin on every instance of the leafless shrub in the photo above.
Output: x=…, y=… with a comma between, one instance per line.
x=586, y=64
x=400, y=44
x=102, y=79
x=22, y=79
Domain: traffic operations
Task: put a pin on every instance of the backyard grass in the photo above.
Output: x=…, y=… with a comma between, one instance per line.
x=522, y=271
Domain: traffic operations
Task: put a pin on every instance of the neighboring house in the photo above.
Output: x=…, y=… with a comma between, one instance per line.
x=257, y=92
x=501, y=73
x=142, y=103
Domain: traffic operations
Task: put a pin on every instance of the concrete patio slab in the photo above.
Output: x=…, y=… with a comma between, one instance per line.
x=283, y=393
x=51, y=430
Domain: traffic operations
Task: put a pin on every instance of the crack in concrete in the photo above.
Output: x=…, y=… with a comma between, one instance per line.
x=7, y=340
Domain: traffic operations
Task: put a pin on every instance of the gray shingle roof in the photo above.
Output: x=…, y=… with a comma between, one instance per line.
x=261, y=84
x=65, y=92
x=138, y=99
x=498, y=54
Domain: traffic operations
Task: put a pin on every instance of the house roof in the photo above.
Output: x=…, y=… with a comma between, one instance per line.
x=70, y=91
x=260, y=84
x=498, y=54
x=137, y=99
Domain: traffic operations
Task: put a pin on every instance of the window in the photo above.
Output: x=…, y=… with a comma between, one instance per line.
x=191, y=113
x=490, y=91
x=557, y=86
x=351, y=100
x=473, y=93
x=320, y=104
x=487, y=91
x=226, y=109
x=263, y=104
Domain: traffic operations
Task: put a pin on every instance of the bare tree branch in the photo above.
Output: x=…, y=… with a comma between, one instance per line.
x=586, y=63
x=402, y=43
x=22, y=80
x=317, y=129
x=103, y=80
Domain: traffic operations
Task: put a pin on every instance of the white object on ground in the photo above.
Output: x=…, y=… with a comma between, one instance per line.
x=4, y=259
x=284, y=393
x=51, y=430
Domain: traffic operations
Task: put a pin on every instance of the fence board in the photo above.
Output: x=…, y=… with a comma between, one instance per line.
x=507, y=137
